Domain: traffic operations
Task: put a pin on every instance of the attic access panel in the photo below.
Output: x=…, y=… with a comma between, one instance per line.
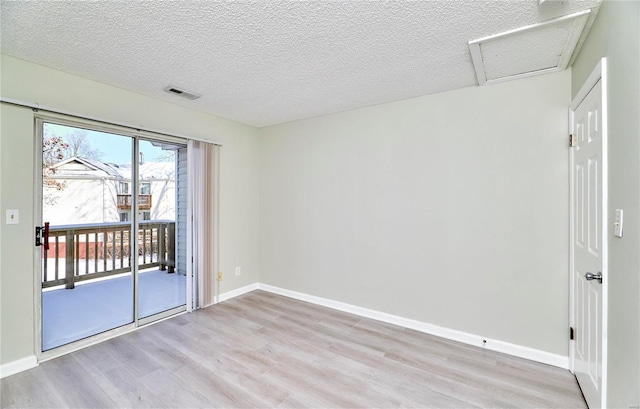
x=531, y=50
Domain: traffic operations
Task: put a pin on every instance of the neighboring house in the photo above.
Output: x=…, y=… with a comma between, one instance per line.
x=98, y=192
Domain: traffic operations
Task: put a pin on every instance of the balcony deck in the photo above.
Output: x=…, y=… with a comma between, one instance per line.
x=99, y=305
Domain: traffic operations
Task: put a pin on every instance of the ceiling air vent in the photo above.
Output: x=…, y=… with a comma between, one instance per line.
x=181, y=92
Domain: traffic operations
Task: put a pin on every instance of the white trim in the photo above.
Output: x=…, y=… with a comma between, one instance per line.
x=523, y=75
x=544, y=357
x=602, y=65
x=579, y=22
x=19, y=365
x=531, y=27
x=191, y=283
x=572, y=214
x=135, y=228
x=138, y=128
x=237, y=292
x=37, y=253
x=478, y=65
x=577, y=28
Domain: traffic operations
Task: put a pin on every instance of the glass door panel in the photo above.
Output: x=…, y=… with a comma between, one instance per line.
x=162, y=285
x=87, y=282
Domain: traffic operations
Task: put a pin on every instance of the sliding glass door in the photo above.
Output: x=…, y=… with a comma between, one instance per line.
x=161, y=200
x=112, y=209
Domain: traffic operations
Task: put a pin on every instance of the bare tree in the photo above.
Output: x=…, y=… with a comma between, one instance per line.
x=53, y=148
x=56, y=148
x=166, y=156
x=78, y=145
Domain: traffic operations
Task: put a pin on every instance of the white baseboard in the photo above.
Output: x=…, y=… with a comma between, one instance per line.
x=13, y=367
x=560, y=361
x=237, y=292
x=536, y=355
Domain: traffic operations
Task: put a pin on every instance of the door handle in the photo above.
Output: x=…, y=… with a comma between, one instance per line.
x=42, y=236
x=591, y=276
x=46, y=236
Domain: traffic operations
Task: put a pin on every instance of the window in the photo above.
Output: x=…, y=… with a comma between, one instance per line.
x=124, y=216
x=123, y=188
x=145, y=188
x=146, y=215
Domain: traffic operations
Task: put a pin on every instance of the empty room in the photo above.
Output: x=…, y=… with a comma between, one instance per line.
x=320, y=204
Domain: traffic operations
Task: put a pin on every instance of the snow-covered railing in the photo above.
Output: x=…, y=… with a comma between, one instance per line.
x=81, y=252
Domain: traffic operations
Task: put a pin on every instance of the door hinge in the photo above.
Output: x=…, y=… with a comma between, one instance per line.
x=572, y=140
x=571, y=333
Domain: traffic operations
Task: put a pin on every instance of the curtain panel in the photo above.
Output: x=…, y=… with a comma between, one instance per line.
x=203, y=175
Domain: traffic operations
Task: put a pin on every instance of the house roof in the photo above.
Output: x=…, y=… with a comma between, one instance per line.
x=91, y=167
x=108, y=168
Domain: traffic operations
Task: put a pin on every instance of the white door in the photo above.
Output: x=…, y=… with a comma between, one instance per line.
x=589, y=244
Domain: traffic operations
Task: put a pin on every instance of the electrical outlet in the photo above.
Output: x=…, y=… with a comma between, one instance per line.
x=238, y=270
x=220, y=276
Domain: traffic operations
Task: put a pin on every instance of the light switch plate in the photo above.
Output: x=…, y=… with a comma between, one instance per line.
x=617, y=224
x=13, y=216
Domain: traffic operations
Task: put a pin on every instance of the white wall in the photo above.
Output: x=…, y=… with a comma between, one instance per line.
x=16, y=241
x=37, y=84
x=616, y=35
x=450, y=209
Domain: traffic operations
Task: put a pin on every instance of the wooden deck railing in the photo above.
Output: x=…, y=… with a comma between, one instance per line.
x=88, y=251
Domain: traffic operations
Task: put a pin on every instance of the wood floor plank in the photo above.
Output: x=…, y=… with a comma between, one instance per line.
x=250, y=382
x=31, y=388
x=254, y=361
x=264, y=350
x=335, y=394
x=174, y=390
x=125, y=390
x=217, y=389
x=74, y=385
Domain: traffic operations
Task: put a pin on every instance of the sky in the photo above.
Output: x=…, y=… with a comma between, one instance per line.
x=115, y=148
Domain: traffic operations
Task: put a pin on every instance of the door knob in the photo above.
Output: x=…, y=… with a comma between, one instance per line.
x=591, y=276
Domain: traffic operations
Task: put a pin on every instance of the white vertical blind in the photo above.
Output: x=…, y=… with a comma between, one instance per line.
x=203, y=177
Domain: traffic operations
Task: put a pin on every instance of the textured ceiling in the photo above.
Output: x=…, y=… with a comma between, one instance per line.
x=535, y=49
x=267, y=62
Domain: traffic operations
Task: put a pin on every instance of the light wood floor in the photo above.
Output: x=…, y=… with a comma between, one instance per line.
x=264, y=350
